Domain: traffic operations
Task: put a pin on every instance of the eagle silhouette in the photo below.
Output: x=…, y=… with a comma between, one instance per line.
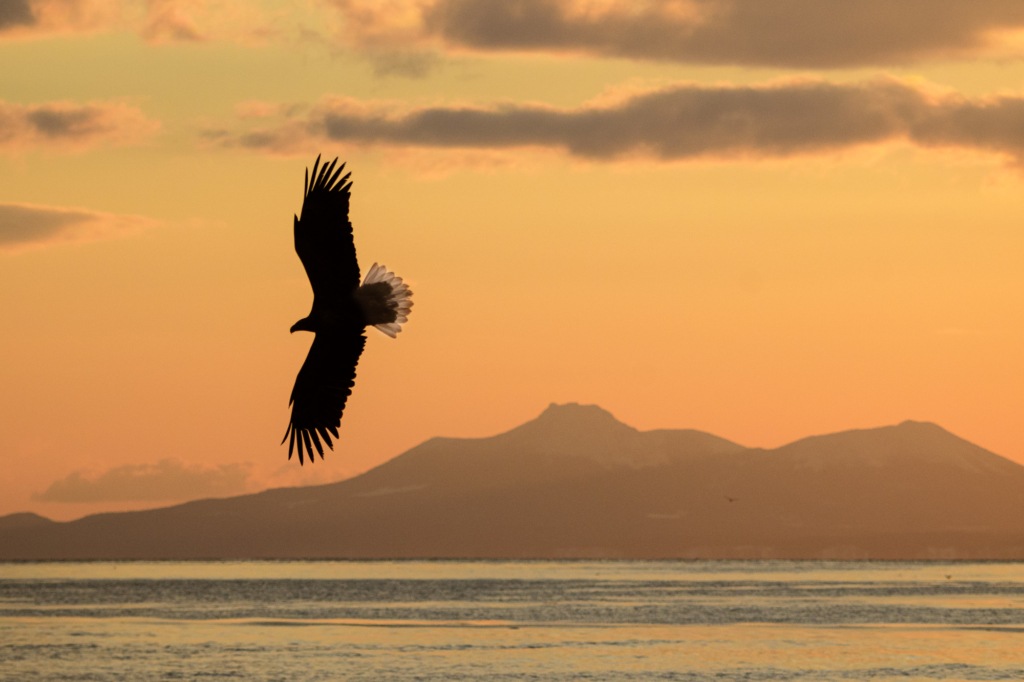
x=342, y=309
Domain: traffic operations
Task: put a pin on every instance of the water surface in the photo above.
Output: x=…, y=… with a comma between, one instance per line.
x=477, y=620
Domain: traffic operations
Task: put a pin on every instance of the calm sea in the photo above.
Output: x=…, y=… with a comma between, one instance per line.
x=484, y=620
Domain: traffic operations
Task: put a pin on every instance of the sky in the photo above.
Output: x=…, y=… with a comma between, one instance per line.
x=762, y=220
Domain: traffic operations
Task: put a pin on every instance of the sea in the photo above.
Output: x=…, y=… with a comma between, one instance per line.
x=511, y=620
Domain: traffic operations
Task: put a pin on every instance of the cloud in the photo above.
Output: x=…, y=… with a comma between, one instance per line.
x=682, y=121
x=239, y=21
x=170, y=21
x=157, y=21
x=166, y=480
x=25, y=226
x=41, y=18
x=406, y=63
x=15, y=13
x=777, y=33
x=69, y=127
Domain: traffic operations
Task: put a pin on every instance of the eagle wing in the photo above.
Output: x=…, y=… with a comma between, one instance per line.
x=323, y=386
x=323, y=234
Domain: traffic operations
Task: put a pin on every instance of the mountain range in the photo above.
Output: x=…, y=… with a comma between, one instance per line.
x=577, y=483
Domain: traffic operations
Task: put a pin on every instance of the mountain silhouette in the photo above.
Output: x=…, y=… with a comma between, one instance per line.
x=575, y=482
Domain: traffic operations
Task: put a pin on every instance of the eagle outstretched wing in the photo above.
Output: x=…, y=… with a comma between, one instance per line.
x=323, y=233
x=323, y=386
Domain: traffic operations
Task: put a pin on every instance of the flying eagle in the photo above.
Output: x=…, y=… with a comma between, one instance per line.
x=342, y=309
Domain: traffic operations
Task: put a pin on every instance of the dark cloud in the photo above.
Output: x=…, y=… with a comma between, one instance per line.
x=166, y=480
x=680, y=122
x=25, y=226
x=22, y=224
x=15, y=13
x=779, y=33
x=56, y=123
x=68, y=126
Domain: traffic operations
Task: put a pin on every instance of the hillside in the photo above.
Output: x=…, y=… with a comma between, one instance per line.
x=575, y=482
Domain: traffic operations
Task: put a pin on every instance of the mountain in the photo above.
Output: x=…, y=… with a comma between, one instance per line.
x=23, y=520
x=575, y=482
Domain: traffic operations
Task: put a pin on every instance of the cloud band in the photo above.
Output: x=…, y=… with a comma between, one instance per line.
x=25, y=226
x=680, y=122
x=165, y=480
x=779, y=33
x=68, y=126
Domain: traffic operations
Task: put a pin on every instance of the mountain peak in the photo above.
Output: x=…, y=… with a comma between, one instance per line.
x=575, y=430
x=909, y=443
x=576, y=412
x=23, y=520
x=578, y=421
x=911, y=424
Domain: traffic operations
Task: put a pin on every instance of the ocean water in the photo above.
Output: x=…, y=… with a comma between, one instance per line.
x=489, y=620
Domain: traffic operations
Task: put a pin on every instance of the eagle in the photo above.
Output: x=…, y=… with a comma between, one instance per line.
x=342, y=309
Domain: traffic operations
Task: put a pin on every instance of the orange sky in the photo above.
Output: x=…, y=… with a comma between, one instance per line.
x=767, y=234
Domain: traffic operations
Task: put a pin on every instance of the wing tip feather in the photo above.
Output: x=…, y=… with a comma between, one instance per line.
x=316, y=164
x=309, y=447
x=326, y=178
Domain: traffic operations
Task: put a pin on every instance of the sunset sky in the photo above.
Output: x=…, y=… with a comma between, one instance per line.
x=765, y=220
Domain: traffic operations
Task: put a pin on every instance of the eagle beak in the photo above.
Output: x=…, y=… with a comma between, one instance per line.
x=301, y=326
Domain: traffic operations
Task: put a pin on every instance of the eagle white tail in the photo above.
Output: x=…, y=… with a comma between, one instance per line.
x=400, y=298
